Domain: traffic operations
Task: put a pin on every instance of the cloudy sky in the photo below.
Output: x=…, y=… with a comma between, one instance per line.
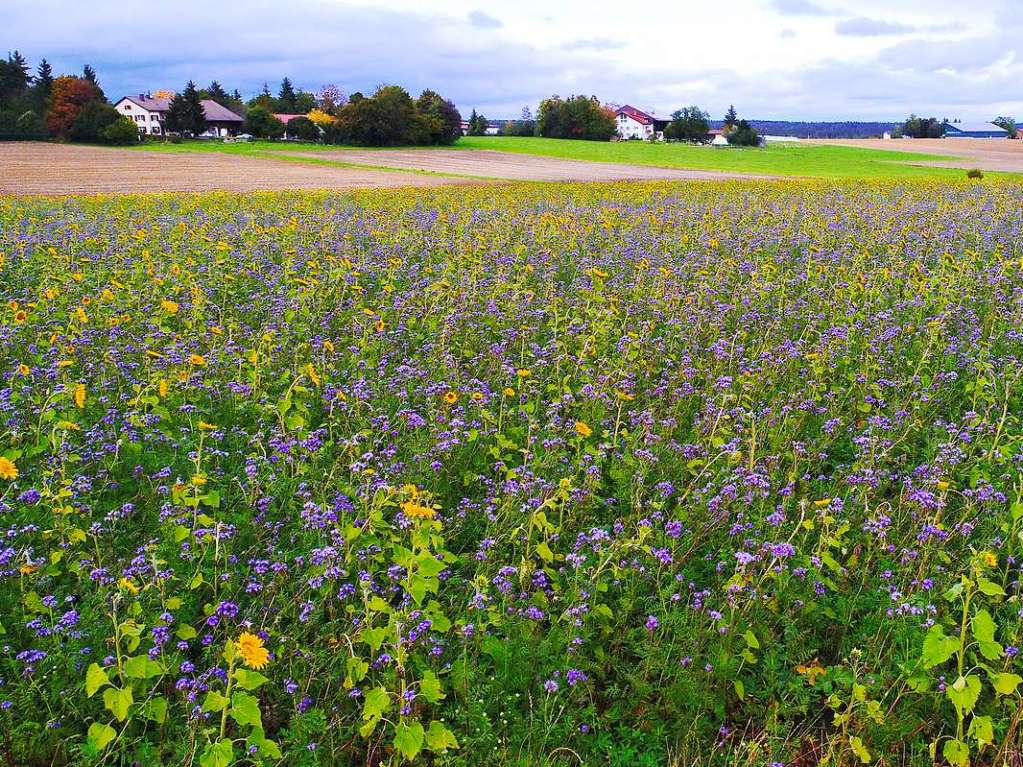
x=784, y=59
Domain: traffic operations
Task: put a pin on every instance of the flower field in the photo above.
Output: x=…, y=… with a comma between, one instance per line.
x=630, y=474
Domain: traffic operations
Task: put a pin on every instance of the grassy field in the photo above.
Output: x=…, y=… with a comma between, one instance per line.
x=804, y=160
x=810, y=160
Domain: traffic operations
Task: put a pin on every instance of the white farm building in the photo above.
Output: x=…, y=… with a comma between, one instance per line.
x=636, y=123
x=150, y=113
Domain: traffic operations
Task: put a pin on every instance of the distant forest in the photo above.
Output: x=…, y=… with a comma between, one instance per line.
x=804, y=129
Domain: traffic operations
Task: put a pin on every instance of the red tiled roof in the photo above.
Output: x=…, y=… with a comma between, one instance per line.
x=286, y=118
x=643, y=118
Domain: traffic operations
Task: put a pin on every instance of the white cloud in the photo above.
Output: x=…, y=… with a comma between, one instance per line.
x=786, y=59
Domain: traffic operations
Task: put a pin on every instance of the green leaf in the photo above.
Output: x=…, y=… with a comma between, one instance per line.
x=982, y=729
x=156, y=709
x=956, y=753
x=214, y=702
x=249, y=680
x=417, y=588
x=186, y=632
x=1005, y=683
x=377, y=701
x=431, y=688
x=95, y=678
x=141, y=667
x=990, y=588
x=430, y=566
x=408, y=739
x=938, y=648
x=245, y=709
x=264, y=747
x=964, y=693
x=118, y=701
x=374, y=637
x=859, y=749
x=751, y=640
x=740, y=689
x=545, y=552
x=100, y=735
x=439, y=737
x=984, y=626
x=357, y=669
x=219, y=754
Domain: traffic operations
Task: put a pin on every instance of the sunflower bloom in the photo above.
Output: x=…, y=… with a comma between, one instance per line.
x=79, y=395
x=198, y=360
x=171, y=307
x=414, y=510
x=451, y=397
x=251, y=648
x=583, y=429
x=7, y=468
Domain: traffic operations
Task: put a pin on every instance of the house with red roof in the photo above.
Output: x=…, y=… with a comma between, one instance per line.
x=636, y=123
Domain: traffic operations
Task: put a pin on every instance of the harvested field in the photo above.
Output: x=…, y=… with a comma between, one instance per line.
x=986, y=154
x=41, y=168
x=517, y=167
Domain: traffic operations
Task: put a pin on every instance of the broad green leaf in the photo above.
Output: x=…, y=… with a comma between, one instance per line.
x=964, y=693
x=264, y=747
x=357, y=669
x=990, y=588
x=740, y=689
x=219, y=754
x=982, y=729
x=100, y=735
x=374, y=637
x=1005, y=683
x=249, y=680
x=142, y=667
x=751, y=640
x=430, y=566
x=118, y=701
x=95, y=678
x=439, y=737
x=186, y=632
x=245, y=709
x=408, y=739
x=214, y=702
x=376, y=702
x=956, y=753
x=938, y=648
x=417, y=588
x=431, y=688
x=156, y=709
x=545, y=552
x=859, y=749
x=983, y=626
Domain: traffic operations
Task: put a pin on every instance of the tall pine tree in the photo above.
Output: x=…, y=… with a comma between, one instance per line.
x=185, y=113
x=286, y=97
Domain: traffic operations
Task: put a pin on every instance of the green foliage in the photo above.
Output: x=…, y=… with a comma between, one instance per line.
x=261, y=123
x=185, y=114
x=576, y=117
x=743, y=135
x=689, y=124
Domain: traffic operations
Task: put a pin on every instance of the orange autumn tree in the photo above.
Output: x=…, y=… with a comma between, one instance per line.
x=68, y=96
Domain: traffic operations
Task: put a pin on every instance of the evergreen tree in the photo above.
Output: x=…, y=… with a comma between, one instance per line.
x=185, y=113
x=731, y=118
x=286, y=97
x=216, y=92
x=44, y=77
x=88, y=73
x=18, y=61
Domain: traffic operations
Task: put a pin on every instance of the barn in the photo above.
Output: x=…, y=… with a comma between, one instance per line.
x=975, y=130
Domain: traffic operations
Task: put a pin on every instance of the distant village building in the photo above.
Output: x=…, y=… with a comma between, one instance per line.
x=975, y=130
x=150, y=114
x=286, y=118
x=635, y=123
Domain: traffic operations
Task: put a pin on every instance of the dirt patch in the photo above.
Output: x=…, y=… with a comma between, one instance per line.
x=42, y=168
x=984, y=153
x=488, y=163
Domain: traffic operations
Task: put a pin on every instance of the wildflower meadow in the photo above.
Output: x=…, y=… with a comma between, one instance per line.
x=634, y=474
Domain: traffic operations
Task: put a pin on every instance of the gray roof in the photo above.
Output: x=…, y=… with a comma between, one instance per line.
x=219, y=113
x=214, y=112
x=975, y=127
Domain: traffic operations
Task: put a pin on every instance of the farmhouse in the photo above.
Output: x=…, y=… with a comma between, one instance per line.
x=635, y=123
x=974, y=130
x=150, y=113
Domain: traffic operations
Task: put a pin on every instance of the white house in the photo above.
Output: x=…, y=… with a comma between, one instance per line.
x=150, y=113
x=147, y=112
x=636, y=123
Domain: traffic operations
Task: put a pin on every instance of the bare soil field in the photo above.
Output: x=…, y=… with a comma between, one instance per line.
x=984, y=153
x=42, y=168
x=488, y=163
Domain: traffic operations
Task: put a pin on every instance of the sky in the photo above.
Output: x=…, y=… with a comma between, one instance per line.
x=773, y=59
